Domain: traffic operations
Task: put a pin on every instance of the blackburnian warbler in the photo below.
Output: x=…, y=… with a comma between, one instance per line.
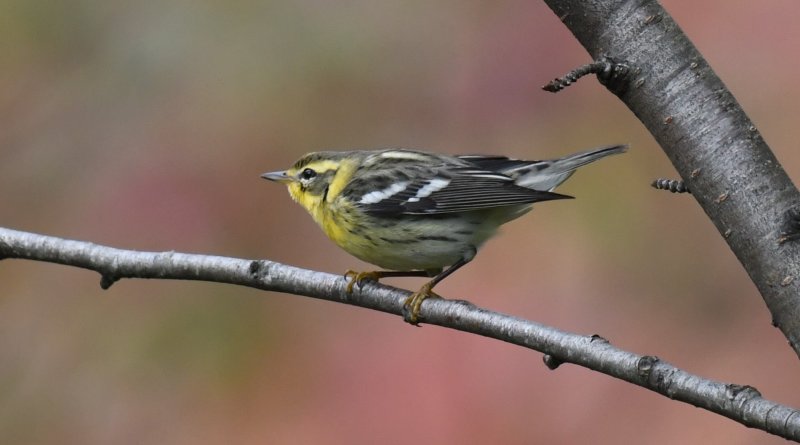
x=418, y=213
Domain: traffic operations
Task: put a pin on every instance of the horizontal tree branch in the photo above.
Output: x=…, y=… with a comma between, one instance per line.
x=743, y=404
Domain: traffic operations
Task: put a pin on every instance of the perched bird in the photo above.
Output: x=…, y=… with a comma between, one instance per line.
x=418, y=213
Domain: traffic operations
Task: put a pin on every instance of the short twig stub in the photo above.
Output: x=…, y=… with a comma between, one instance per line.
x=611, y=73
x=672, y=185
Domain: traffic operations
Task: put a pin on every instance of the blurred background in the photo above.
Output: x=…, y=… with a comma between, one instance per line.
x=145, y=125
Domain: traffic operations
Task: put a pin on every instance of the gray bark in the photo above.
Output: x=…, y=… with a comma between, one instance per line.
x=714, y=146
x=741, y=403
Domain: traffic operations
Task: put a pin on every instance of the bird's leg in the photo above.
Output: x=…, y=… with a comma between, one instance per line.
x=358, y=278
x=414, y=301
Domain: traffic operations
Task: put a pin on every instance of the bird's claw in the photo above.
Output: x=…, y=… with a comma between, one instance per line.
x=358, y=278
x=412, y=304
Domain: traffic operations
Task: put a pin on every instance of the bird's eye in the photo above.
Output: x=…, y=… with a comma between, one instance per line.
x=308, y=174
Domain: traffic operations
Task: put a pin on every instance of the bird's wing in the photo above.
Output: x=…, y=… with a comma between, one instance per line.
x=541, y=175
x=496, y=163
x=458, y=190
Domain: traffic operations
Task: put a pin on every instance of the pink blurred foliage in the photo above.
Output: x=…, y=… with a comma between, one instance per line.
x=146, y=125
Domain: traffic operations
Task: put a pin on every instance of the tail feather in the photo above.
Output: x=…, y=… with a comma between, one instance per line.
x=547, y=175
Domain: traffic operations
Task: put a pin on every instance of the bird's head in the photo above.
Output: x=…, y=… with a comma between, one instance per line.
x=315, y=178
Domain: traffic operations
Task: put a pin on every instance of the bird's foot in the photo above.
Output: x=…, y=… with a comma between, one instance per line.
x=359, y=278
x=412, y=304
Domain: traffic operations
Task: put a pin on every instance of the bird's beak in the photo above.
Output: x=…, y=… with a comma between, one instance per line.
x=281, y=177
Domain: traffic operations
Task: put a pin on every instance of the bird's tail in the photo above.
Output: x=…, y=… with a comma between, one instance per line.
x=547, y=175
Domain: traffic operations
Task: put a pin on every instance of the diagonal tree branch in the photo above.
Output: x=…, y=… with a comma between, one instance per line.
x=743, y=404
x=712, y=143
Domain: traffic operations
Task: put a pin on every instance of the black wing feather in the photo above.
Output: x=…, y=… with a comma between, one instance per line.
x=469, y=189
x=495, y=163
